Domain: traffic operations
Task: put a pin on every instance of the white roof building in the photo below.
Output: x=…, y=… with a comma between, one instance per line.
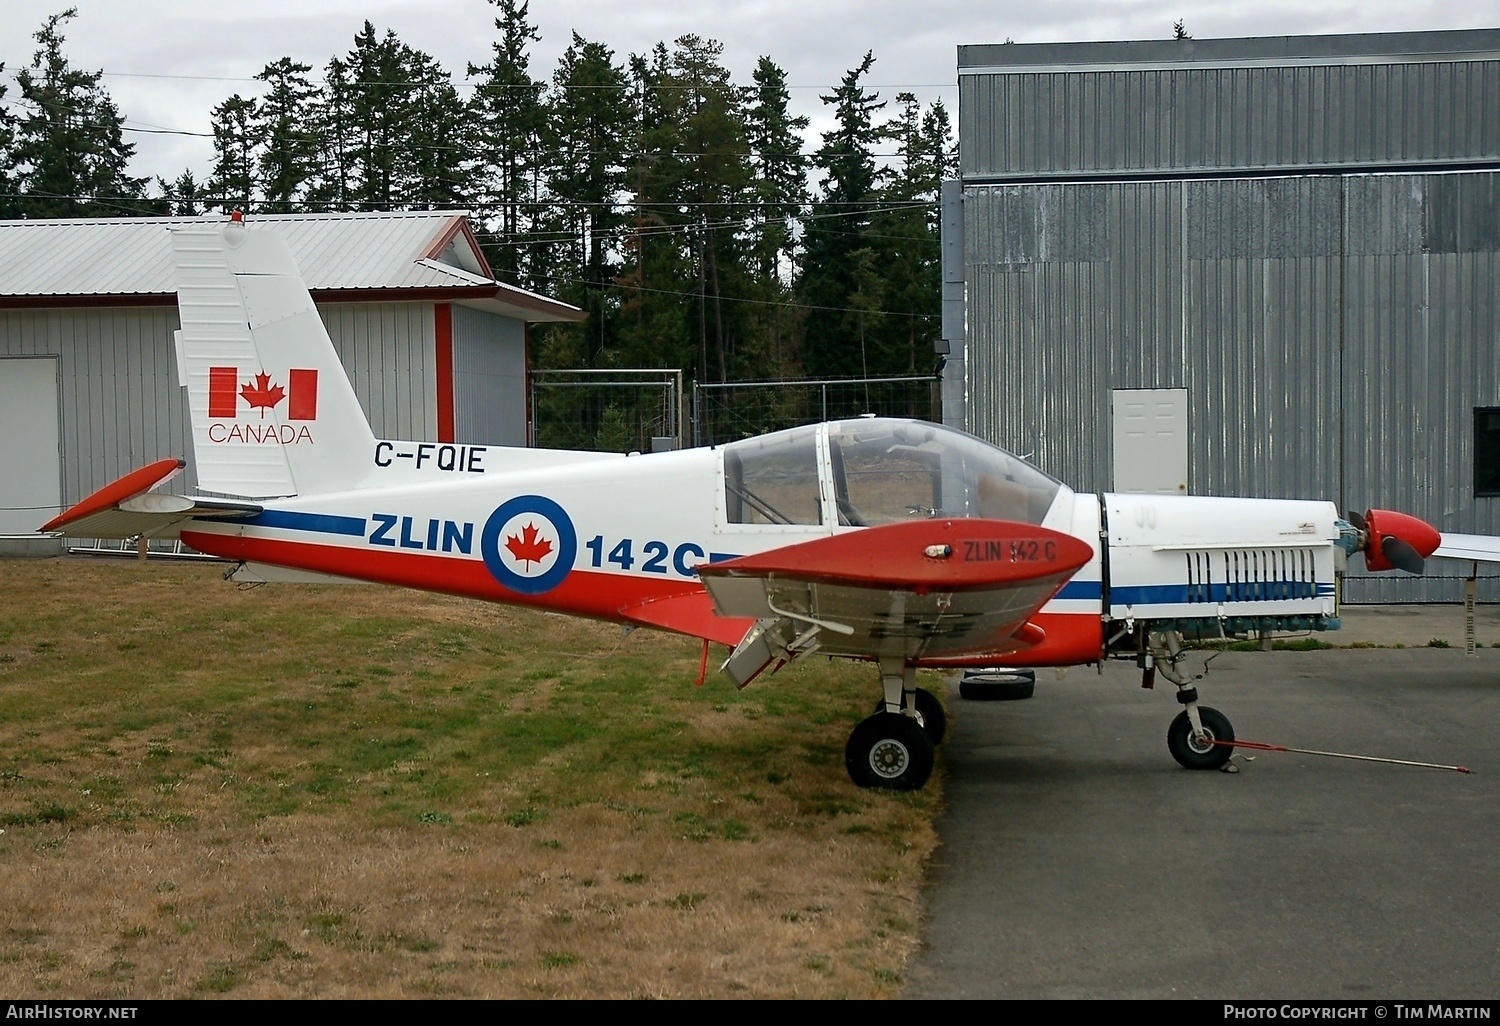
x=436, y=348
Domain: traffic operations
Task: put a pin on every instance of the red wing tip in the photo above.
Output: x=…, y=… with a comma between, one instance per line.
x=129, y=486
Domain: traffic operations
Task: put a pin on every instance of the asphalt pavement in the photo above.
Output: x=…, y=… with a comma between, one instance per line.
x=1077, y=859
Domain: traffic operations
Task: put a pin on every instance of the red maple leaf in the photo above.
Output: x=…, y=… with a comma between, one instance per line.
x=528, y=548
x=262, y=393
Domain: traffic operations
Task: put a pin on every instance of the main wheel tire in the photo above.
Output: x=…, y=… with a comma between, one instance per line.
x=934, y=719
x=997, y=685
x=890, y=751
x=1194, y=754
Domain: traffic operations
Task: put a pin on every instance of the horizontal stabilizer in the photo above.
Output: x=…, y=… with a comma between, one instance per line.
x=127, y=509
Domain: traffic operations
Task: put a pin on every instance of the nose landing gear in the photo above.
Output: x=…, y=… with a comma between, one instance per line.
x=1196, y=735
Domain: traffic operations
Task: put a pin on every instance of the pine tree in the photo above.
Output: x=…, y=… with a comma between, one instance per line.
x=507, y=116
x=183, y=197
x=9, y=199
x=283, y=122
x=232, y=185
x=836, y=229
x=780, y=188
x=906, y=235
x=377, y=99
x=779, y=193
x=589, y=126
x=70, y=152
x=435, y=164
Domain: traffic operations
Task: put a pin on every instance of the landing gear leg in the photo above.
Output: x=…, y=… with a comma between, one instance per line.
x=1196, y=735
x=891, y=749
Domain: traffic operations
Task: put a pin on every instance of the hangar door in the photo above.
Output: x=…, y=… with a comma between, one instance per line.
x=30, y=457
x=1151, y=440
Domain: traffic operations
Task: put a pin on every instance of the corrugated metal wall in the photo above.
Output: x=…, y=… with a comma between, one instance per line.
x=1333, y=332
x=390, y=353
x=1173, y=116
x=489, y=372
x=122, y=407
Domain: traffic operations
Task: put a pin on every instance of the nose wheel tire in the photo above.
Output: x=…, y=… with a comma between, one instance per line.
x=889, y=751
x=1195, y=753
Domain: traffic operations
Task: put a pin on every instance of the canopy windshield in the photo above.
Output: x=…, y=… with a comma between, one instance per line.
x=889, y=470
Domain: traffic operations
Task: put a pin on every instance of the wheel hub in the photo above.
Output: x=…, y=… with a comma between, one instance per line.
x=889, y=759
x=1202, y=743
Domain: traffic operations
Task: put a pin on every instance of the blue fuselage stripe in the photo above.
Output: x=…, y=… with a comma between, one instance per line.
x=321, y=523
x=1185, y=594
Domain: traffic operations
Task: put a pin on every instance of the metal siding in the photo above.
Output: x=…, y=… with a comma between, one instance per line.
x=121, y=406
x=388, y=350
x=1423, y=349
x=113, y=420
x=1293, y=310
x=489, y=371
x=1025, y=123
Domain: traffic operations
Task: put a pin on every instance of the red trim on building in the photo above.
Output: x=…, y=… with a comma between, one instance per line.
x=459, y=226
x=442, y=330
x=441, y=239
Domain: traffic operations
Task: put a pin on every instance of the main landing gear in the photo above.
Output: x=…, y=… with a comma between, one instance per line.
x=1199, y=737
x=894, y=749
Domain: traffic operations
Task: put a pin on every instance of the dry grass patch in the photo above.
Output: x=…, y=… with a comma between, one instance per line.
x=362, y=792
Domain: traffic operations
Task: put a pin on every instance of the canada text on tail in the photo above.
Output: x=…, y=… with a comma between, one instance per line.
x=272, y=410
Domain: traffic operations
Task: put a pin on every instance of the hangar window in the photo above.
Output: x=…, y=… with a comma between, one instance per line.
x=1487, y=451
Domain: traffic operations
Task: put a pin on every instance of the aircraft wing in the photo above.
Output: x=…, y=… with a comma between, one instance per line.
x=127, y=509
x=922, y=588
x=1483, y=548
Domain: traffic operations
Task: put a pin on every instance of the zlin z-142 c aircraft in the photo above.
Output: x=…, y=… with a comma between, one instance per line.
x=903, y=543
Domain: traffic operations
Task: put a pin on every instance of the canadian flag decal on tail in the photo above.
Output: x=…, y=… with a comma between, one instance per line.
x=225, y=392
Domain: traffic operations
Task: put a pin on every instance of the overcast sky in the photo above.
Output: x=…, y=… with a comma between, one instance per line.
x=167, y=63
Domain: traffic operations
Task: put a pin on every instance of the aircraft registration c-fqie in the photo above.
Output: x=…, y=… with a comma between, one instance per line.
x=903, y=543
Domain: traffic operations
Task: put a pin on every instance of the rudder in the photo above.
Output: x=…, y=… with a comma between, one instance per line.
x=272, y=409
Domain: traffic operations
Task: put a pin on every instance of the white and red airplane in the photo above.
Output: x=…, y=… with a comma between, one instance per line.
x=903, y=543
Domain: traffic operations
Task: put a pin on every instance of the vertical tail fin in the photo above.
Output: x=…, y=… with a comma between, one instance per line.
x=272, y=409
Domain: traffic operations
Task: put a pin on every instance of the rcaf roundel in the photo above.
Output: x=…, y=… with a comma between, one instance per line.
x=529, y=544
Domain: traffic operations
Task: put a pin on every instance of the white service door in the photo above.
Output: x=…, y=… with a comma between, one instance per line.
x=30, y=457
x=1151, y=441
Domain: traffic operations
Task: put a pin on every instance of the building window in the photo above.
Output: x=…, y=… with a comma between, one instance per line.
x=1487, y=451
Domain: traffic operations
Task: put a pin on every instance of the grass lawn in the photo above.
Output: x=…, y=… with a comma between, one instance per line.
x=353, y=791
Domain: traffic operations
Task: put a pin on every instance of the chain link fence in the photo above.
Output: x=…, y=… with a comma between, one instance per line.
x=734, y=410
x=640, y=410
x=631, y=410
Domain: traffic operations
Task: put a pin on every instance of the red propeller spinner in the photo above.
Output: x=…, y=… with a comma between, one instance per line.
x=1395, y=541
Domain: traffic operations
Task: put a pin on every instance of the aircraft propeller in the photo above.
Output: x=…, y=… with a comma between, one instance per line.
x=1395, y=541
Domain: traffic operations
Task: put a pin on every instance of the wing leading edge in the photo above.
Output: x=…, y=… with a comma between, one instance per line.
x=1481, y=547
x=912, y=590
